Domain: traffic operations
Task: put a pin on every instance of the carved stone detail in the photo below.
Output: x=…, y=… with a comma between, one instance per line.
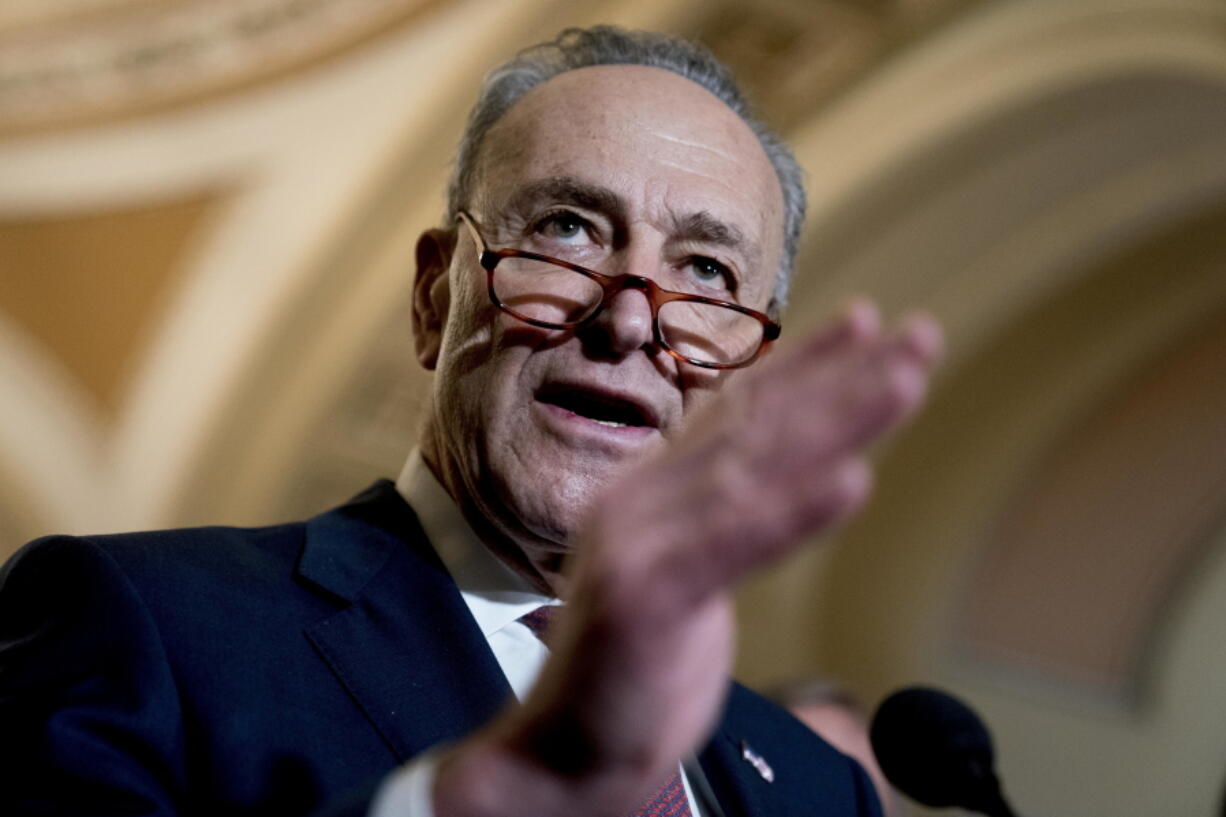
x=64, y=67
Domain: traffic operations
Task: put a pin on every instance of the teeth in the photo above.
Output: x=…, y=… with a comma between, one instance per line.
x=609, y=423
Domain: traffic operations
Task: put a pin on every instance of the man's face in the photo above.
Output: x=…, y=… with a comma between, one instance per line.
x=632, y=169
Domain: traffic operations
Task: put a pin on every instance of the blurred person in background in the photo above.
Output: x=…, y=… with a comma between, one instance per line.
x=838, y=716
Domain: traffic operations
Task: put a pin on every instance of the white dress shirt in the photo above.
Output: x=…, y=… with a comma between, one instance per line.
x=496, y=596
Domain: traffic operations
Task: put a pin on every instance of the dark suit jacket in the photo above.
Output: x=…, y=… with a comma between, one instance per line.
x=285, y=670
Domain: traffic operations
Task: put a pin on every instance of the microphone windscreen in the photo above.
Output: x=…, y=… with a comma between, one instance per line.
x=933, y=748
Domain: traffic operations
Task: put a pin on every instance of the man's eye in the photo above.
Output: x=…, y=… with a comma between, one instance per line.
x=712, y=273
x=561, y=225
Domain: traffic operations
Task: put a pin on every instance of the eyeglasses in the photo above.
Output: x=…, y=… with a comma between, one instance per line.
x=556, y=294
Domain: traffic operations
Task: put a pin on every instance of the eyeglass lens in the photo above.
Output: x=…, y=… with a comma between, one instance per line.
x=545, y=292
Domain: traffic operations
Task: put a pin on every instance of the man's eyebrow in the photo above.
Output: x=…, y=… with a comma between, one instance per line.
x=568, y=190
x=702, y=227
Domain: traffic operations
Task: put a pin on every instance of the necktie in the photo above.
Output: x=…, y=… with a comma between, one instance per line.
x=670, y=800
x=538, y=622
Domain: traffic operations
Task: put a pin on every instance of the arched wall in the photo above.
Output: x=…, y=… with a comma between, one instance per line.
x=1050, y=181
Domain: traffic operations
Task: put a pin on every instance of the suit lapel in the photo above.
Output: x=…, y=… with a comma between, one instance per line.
x=403, y=644
x=738, y=794
x=761, y=762
x=749, y=761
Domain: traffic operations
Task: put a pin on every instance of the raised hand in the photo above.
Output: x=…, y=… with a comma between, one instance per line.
x=643, y=651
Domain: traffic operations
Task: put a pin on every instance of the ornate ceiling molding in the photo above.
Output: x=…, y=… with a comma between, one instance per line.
x=77, y=63
x=794, y=56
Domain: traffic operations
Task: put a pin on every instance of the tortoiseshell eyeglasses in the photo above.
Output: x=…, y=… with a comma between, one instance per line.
x=555, y=294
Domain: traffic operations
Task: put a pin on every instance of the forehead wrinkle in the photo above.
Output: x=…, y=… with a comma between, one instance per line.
x=689, y=143
x=731, y=184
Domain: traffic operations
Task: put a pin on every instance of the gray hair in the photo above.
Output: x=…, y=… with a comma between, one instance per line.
x=608, y=45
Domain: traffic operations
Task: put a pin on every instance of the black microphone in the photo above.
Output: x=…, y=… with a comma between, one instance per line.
x=937, y=751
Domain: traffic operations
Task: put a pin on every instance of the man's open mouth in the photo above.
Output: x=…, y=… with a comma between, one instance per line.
x=606, y=409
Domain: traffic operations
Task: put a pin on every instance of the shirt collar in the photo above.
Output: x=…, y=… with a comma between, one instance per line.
x=495, y=594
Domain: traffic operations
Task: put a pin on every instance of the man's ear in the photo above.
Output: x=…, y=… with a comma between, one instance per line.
x=431, y=293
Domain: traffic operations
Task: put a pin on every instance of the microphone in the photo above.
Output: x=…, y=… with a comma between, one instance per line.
x=937, y=751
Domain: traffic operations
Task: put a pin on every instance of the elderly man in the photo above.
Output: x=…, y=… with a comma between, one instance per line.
x=616, y=251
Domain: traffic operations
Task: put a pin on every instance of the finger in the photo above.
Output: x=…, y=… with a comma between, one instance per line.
x=857, y=322
x=820, y=501
x=840, y=404
x=862, y=317
x=920, y=335
x=886, y=382
x=908, y=360
x=755, y=526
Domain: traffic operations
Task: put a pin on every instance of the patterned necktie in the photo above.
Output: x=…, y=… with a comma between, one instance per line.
x=538, y=622
x=670, y=800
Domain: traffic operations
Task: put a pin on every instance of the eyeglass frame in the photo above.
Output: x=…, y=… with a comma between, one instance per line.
x=611, y=285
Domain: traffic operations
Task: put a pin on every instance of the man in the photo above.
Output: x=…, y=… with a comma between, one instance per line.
x=618, y=240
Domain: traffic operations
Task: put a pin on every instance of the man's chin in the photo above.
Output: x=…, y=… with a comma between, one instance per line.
x=554, y=518
x=534, y=543
x=547, y=492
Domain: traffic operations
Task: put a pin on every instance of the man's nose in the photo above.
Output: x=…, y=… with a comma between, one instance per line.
x=624, y=324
